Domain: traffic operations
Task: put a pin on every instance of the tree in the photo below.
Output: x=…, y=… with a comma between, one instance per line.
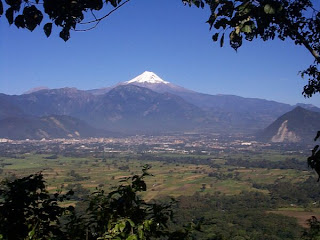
x=240, y=20
x=28, y=211
x=123, y=214
x=313, y=233
x=65, y=14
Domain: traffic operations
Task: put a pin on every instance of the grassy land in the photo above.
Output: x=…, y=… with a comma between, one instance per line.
x=176, y=175
x=301, y=214
x=172, y=179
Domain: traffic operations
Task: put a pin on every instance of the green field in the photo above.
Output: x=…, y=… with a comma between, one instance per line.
x=171, y=176
x=237, y=195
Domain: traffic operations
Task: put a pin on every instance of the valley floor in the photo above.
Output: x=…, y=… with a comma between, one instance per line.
x=240, y=188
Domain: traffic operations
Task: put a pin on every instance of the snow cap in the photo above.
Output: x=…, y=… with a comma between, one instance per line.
x=147, y=77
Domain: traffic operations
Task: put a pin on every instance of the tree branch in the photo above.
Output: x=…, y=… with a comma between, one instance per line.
x=313, y=52
x=305, y=43
x=107, y=15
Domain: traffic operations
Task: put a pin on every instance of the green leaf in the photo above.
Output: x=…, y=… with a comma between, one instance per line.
x=31, y=26
x=47, y=29
x=1, y=8
x=215, y=37
x=96, y=4
x=31, y=233
x=147, y=224
x=212, y=19
x=213, y=6
x=33, y=17
x=222, y=40
x=65, y=34
x=116, y=228
x=268, y=9
x=9, y=15
x=113, y=3
x=19, y=21
x=235, y=40
x=141, y=233
x=14, y=4
x=131, y=223
x=232, y=35
x=132, y=237
x=244, y=8
x=122, y=226
x=246, y=29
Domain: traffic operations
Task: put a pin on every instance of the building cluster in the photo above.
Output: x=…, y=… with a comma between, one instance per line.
x=181, y=144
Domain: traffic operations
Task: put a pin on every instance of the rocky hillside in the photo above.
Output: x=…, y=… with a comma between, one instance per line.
x=298, y=125
x=49, y=127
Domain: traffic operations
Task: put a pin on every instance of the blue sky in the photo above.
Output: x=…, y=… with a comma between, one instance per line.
x=162, y=36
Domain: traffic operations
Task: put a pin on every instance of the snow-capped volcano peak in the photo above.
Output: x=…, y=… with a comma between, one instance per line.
x=147, y=77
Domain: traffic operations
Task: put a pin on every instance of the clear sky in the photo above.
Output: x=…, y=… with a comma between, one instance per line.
x=162, y=36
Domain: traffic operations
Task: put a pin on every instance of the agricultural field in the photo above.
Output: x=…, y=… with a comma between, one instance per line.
x=173, y=174
x=278, y=185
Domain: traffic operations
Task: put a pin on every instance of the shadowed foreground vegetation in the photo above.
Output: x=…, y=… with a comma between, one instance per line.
x=233, y=195
x=29, y=211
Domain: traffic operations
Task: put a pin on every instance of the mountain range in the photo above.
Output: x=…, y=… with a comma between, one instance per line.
x=144, y=105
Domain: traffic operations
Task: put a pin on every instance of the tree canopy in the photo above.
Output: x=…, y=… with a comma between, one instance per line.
x=29, y=211
x=246, y=20
x=65, y=14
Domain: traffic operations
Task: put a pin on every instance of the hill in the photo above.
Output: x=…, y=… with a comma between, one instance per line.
x=298, y=125
x=49, y=127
